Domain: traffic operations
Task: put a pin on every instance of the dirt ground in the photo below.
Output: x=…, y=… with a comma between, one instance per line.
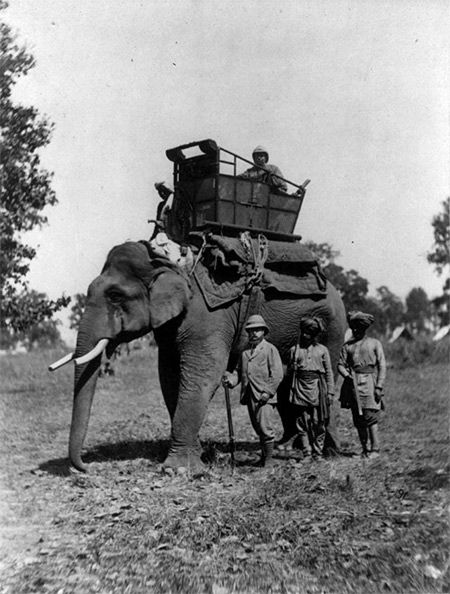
x=341, y=525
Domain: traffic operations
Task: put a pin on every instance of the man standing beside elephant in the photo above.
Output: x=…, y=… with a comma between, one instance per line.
x=362, y=361
x=260, y=372
x=312, y=388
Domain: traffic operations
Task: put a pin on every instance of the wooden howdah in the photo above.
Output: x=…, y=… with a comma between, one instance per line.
x=209, y=195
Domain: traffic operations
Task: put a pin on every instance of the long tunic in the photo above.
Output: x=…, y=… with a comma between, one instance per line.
x=366, y=358
x=305, y=389
x=259, y=369
x=271, y=174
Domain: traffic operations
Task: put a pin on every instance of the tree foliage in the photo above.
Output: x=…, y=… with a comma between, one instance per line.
x=25, y=189
x=387, y=308
x=76, y=311
x=352, y=287
x=417, y=308
x=440, y=258
x=440, y=306
x=42, y=333
x=324, y=252
x=440, y=253
x=392, y=309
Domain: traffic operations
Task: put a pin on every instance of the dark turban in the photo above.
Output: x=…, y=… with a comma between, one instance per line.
x=359, y=318
x=313, y=325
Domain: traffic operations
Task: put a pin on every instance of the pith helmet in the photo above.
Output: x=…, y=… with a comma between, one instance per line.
x=256, y=321
x=261, y=149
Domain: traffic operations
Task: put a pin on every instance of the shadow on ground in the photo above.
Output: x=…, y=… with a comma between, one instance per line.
x=153, y=450
x=430, y=479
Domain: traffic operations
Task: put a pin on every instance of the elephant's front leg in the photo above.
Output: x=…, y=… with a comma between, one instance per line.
x=202, y=364
x=169, y=376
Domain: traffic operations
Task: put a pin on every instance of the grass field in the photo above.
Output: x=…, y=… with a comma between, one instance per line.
x=340, y=525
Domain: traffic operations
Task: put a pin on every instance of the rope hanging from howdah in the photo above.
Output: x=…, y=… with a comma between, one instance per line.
x=257, y=257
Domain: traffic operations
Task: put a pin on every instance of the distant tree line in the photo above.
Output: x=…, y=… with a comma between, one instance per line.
x=417, y=312
x=439, y=257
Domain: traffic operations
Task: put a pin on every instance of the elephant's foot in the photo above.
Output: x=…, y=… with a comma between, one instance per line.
x=184, y=461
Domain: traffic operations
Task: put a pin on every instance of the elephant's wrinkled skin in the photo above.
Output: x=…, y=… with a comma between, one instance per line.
x=133, y=296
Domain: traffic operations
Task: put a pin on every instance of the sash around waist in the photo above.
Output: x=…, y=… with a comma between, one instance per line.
x=307, y=374
x=366, y=369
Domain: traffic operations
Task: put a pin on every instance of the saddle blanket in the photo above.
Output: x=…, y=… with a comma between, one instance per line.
x=227, y=268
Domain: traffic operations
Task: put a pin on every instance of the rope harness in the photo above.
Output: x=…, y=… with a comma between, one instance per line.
x=253, y=293
x=256, y=257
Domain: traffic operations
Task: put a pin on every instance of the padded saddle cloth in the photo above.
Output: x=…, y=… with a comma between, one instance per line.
x=281, y=254
x=228, y=268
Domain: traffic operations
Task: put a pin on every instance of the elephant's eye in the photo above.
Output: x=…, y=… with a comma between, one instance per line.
x=115, y=296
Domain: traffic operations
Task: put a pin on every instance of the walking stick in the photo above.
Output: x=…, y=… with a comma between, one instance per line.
x=289, y=429
x=294, y=360
x=230, y=425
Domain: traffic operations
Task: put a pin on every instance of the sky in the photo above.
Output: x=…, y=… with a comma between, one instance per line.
x=353, y=94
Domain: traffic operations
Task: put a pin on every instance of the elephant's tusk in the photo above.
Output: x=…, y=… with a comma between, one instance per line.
x=61, y=362
x=96, y=351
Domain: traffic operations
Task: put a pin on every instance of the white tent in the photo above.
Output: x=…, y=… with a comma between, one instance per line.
x=401, y=332
x=441, y=333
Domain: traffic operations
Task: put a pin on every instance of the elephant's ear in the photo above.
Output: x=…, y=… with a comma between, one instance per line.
x=169, y=297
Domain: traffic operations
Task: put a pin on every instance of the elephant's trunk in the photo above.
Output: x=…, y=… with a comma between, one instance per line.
x=86, y=376
x=85, y=381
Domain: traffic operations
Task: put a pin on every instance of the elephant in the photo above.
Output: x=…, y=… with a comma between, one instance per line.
x=135, y=294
